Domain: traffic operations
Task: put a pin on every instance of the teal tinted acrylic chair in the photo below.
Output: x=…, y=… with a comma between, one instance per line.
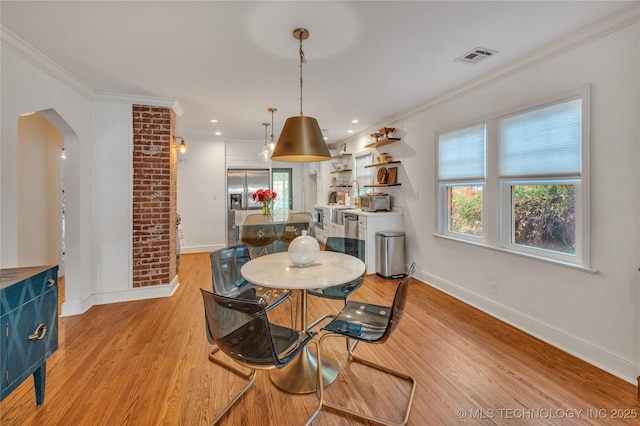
x=368, y=323
x=350, y=246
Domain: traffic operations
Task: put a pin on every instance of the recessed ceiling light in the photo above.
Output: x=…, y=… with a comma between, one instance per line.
x=218, y=133
x=354, y=121
x=349, y=131
x=325, y=138
x=213, y=120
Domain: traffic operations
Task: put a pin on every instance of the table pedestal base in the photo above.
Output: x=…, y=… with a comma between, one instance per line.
x=300, y=375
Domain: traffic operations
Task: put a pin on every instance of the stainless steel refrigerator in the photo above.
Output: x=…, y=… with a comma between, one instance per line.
x=241, y=184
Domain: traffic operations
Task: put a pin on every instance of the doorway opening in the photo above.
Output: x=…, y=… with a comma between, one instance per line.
x=282, y=184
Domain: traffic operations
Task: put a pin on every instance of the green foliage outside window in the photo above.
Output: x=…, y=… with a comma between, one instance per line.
x=465, y=211
x=544, y=217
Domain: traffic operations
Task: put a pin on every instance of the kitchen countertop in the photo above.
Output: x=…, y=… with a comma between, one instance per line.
x=279, y=216
x=332, y=206
x=363, y=213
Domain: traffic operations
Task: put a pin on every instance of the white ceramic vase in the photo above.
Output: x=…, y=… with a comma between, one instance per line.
x=303, y=250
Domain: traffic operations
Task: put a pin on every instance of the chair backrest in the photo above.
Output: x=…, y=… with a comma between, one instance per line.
x=258, y=230
x=350, y=246
x=399, y=304
x=225, y=268
x=240, y=329
x=296, y=223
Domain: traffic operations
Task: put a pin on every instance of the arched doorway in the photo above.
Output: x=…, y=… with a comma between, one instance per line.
x=42, y=137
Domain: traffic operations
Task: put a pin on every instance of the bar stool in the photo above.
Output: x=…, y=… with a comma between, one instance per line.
x=258, y=231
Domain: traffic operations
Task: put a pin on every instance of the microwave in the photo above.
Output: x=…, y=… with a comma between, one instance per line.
x=375, y=203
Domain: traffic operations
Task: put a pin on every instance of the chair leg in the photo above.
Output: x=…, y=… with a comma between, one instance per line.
x=239, y=372
x=252, y=379
x=320, y=390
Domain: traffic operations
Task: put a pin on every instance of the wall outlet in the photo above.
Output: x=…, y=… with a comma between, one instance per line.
x=494, y=288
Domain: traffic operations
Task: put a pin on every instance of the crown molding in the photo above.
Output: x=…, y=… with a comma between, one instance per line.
x=29, y=53
x=591, y=32
x=32, y=55
x=141, y=100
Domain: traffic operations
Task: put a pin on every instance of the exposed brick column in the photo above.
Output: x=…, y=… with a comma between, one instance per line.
x=154, y=196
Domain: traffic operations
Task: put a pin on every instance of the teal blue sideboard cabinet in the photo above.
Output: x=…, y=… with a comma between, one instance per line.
x=29, y=326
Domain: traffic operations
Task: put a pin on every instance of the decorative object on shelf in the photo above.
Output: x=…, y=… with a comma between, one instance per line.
x=266, y=198
x=301, y=139
x=384, y=158
x=183, y=147
x=303, y=250
x=382, y=175
x=393, y=175
x=386, y=131
x=377, y=135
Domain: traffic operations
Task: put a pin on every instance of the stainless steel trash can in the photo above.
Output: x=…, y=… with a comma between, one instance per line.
x=390, y=254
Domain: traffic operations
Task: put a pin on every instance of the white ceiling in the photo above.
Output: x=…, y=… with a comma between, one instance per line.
x=231, y=60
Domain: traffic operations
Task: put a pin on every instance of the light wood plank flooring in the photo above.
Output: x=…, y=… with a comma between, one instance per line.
x=145, y=363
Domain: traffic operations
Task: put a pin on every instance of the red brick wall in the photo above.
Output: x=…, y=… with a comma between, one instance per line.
x=154, y=196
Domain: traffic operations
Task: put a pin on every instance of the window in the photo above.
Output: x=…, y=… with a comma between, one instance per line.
x=364, y=175
x=461, y=180
x=536, y=186
x=540, y=173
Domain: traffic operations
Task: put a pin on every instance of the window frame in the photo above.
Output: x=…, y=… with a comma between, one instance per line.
x=444, y=216
x=497, y=209
x=443, y=185
x=368, y=161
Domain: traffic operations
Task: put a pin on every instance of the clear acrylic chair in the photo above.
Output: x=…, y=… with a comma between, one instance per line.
x=365, y=322
x=258, y=231
x=227, y=281
x=242, y=330
x=296, y=223
x=350, y=246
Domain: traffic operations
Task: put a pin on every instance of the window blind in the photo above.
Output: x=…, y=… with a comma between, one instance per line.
x=461, y=154
x=543, y=142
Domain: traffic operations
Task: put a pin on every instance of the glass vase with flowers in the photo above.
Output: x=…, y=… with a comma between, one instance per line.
x=266, y=198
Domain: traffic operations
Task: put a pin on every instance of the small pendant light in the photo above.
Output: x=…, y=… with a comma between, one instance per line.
x=301, y=138
x=272, y=142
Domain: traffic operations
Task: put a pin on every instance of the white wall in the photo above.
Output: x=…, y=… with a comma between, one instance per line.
x=39, y=183
x=111, y=131
x=26, y=88
x=594, y=316
x=202, y=189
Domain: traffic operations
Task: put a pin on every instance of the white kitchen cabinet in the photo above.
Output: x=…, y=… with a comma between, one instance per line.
x=370, y=223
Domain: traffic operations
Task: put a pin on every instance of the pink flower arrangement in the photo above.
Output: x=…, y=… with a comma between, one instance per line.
x=266, y=197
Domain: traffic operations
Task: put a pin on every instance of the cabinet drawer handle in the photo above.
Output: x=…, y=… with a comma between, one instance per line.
x=39, y=332
x=51, y=282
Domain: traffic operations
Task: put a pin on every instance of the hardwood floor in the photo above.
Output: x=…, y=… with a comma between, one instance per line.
x=145, y=363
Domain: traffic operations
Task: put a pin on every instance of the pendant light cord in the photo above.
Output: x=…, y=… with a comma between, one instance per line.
x=302, y=60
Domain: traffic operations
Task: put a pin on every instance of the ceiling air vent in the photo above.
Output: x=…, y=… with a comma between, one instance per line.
x=476, y=55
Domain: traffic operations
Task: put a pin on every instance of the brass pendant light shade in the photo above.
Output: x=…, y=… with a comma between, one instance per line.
x=301, y=139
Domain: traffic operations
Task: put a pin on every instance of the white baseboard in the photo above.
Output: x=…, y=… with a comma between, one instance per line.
x=617, y=365
x=70, y=308
x=201, y=249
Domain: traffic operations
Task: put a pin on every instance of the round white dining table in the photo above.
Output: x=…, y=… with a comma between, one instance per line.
x=277, y=271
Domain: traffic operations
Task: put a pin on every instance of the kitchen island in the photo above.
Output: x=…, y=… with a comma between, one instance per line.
x=279, y=216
